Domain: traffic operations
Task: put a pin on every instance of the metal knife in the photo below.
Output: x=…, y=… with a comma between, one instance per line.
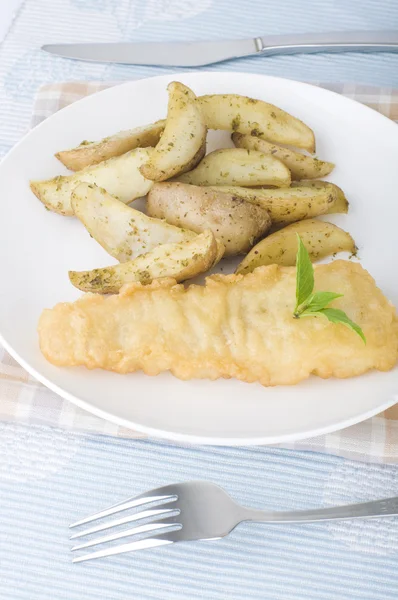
x=196, y=54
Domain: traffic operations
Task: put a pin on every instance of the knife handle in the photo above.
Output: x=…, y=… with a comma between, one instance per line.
x=352, y=41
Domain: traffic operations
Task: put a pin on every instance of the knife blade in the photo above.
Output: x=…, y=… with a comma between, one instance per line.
x=196, y=54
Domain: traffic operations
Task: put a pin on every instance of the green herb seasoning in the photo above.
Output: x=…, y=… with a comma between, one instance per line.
x=313, y=304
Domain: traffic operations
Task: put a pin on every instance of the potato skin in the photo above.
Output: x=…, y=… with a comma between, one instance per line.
x=119, y=176
x=341, y=204
x=121, y=230
x=237, y=223
x=237, y=166
x=319, y=237
x=250, y=116
x=180, y=261
x=183, y=142
x=92, y=153
x=287, y=205
x=300, y=165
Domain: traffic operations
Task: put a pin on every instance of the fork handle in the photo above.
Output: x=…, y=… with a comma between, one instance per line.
x=365, y=510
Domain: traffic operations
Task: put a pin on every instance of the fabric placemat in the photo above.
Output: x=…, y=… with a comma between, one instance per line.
x=23, y=399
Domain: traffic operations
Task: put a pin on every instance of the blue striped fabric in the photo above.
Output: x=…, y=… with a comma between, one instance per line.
x=50, y=477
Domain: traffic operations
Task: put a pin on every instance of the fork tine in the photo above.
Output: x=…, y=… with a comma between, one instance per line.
x=149, y=527
x=130, y=503
x=123, y=520
x=131, y=547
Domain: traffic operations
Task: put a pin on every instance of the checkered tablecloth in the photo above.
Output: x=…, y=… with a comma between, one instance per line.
x=22, y=399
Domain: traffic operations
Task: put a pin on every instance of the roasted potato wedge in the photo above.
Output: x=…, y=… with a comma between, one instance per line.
x=300, y=165
x=183, y=142
x=120, y=176
x=255, y=117
x=287, y=205
x=92, y=153
x=237, y=223
x=341, y=203
x=180, y=261
x=236, y=166
x=123, y=232
x=321, y=239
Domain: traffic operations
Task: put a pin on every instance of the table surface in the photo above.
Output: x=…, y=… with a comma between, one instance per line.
x=49, y=477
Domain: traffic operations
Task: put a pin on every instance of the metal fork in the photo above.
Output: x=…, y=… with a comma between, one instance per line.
x=199, y=510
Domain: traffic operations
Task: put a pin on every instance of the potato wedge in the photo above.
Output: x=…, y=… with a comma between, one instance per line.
x=183, y=142
x=123, y=232
x=232, y=112
x=92, y=153
x=300, y=165
x=180, y=261
x=120, y=176
x=236, y=166
x=286, y=205
x=237, y=223
x=321, y=239
x=341, y=203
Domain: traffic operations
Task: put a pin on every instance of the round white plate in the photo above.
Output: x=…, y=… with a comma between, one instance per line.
x=38, y=248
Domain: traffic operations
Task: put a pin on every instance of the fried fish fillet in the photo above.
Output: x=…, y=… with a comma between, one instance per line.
x=238, y=326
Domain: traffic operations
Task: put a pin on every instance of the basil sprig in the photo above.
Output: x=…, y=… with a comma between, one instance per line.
x=312, y=304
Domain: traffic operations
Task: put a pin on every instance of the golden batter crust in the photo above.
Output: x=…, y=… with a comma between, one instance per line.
x=233, y=326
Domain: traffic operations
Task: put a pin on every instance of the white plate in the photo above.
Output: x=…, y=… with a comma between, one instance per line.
x=38, y=247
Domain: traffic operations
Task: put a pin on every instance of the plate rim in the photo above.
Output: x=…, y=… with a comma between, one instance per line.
x=188, y=437
x=155, y=433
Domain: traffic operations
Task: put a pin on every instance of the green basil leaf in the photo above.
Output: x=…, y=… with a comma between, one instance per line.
x=304, y=274
x=336, y=315
x=320, y=300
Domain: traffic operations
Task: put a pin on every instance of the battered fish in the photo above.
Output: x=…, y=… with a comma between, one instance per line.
x=234, y=326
